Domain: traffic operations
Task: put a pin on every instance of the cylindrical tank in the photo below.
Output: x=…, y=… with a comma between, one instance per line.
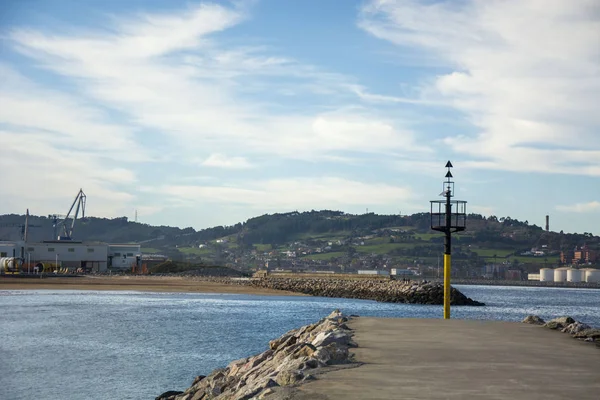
x=560, y=274
x=546, y=275
x=592, y=275
x=575, y=275
x=9, y=264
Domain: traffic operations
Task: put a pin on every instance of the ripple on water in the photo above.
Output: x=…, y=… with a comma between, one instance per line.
x=134, y=345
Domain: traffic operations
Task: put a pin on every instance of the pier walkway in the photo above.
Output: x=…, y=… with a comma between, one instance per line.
x=457, y=359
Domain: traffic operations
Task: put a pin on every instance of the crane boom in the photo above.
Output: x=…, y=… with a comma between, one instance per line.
x=78, y=204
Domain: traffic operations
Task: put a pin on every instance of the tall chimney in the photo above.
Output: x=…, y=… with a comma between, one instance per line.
x=547, y=223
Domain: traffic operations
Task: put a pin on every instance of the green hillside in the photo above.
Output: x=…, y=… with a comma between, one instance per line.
x=328, y=238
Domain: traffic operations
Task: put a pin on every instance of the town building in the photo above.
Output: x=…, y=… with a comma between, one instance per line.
x=584, y=255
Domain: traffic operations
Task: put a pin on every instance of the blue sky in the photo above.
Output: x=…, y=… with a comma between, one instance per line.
x=209, y=113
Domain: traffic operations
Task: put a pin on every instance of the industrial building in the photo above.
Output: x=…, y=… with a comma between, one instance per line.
x=72, y=255
x=373, y=272
x=63, y=254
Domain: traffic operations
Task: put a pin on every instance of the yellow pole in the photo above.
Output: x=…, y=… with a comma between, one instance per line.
x=446, y=286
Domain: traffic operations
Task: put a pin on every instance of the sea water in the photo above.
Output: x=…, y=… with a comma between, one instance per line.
x=134, y=345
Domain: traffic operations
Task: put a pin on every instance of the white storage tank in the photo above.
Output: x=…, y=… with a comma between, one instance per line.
x=592, y=275
x=560, y=274
x=576, y=275
x=546, y=275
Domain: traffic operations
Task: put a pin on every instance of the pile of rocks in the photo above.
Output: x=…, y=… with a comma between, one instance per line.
x=576, y=329
x=292, y=359
x=389, y=291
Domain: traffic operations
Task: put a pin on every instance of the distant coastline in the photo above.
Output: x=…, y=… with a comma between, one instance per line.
x=146, y=283
x=487, y=282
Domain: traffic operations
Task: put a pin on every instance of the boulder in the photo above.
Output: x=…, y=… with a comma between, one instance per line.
x=253, y=391
x=168, y=395
x=553, y=325
x=575, y=327
x=282, y=342
x=322, y=355
x=287, y=378
x=305, y=350
x=563, y=320
x=287, y=362
x=198, y=396
x=591, y=333
x=325, y=338
x=533, y=320
x=198, y=379
x=337, y=354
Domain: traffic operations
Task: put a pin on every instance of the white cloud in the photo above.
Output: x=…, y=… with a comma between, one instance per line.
x=103, y=103
x=591, y=206
x=525, y=73
x=222, y=161
x=197, y=98
x=290, y=194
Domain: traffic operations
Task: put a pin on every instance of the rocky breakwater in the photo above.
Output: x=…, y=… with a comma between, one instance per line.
x=576, y=329
x=292, y=359
x=389, y=291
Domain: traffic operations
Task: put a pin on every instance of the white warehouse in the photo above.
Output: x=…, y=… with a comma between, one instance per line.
x=373, y=272
x=68, y=254
x=123, y=256
x=74, y=255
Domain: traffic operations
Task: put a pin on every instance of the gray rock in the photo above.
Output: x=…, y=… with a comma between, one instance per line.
x=168, y=394
x=575, y=327
x=591, y=333
x=288, y=362
x=338, y=354
x=287, y=378
x=256, y=390
x=282, y=342
x=564, y=320
x=533, y=320
x=325, y=338
x=553, y=325
x=198, y=379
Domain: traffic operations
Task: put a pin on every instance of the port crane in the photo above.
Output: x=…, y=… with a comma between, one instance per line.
x=67, y=228
x=23, y=227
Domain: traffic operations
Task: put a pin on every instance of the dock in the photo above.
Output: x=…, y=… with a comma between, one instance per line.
x=459, y=359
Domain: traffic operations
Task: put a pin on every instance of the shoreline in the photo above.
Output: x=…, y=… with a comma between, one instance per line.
x=137, y=283
x=354, y=358
x=564, y=285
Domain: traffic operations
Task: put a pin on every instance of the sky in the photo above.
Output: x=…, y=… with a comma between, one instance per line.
x=209, y=113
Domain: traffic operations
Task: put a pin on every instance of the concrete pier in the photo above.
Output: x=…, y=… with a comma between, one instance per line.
x=457, y=359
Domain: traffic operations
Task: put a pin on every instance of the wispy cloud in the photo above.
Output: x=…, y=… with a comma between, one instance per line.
x=162, y=87
x=290, y=194
x=222, y=161
x=169, y=74
x=592, y=206
x=524, y=72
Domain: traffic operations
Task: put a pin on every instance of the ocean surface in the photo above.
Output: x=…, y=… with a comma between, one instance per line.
x=134, y=345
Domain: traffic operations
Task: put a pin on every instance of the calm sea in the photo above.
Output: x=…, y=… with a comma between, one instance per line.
x=133, y=345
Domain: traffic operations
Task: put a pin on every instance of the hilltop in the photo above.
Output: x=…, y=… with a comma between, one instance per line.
x=330, y=240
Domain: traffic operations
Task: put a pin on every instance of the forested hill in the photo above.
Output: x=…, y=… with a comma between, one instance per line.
x=279, y=229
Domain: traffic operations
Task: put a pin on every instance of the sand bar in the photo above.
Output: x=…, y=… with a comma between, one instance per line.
x=457, y=359
x=141, y=283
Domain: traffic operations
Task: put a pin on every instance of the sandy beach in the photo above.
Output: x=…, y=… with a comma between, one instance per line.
x=135, y=283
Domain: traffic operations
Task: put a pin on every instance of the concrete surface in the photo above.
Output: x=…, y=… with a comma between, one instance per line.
x=457, y=359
